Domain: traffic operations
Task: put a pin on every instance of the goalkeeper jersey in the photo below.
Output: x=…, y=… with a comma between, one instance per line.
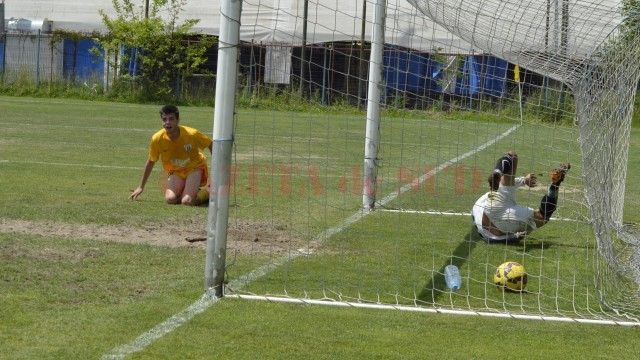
x=183, y=154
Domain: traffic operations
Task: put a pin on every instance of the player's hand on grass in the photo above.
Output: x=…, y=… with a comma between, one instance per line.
x=134, y=195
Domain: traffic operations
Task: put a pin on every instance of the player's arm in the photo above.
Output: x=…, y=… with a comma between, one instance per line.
x=531, y=180
x=148, y=167
x=203, y=141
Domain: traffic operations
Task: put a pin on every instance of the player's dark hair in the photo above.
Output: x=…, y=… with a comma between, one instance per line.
x=170, y=109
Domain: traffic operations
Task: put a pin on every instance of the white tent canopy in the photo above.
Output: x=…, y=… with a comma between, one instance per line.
x=267, y=21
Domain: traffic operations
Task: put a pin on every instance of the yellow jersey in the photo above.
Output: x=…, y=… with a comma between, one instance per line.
x=183, y=154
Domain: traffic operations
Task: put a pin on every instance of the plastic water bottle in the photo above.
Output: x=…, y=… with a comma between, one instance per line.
x=452, y=277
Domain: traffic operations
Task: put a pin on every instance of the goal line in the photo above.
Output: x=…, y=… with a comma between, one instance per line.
x=453, y=213
x=358, y=305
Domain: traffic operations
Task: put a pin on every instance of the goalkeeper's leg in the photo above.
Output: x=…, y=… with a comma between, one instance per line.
x=550, y=199
x=506, y=165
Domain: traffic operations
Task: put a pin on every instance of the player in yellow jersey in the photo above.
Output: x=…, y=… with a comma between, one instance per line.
x=179, y=149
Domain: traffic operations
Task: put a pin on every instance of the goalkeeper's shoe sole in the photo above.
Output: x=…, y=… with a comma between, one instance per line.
x=557, y=174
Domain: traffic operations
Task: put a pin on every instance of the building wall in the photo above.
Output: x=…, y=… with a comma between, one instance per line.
x=328, y=20
x=30, y=55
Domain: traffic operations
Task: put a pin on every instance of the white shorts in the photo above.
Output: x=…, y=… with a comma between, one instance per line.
x=503, y=211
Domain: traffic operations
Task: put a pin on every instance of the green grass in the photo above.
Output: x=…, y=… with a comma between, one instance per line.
x=75, y=162
x=67, y=298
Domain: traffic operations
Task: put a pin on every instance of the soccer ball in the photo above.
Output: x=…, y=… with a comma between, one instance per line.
x=510, y=276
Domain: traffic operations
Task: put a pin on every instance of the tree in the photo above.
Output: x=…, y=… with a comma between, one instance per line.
x=162, y=51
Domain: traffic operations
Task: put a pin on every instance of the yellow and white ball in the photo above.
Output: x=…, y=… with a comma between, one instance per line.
x=510, y=276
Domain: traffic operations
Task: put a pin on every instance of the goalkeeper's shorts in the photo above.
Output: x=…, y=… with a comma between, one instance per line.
x=509, y=218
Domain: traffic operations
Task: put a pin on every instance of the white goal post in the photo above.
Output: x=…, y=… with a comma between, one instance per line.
x=434, y=91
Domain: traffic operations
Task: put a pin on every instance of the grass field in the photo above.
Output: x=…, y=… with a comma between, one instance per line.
x=86, y=271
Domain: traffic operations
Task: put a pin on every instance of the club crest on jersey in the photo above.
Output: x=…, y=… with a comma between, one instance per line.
x=187, y=147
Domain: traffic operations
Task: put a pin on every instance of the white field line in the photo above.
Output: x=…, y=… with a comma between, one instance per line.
x=301, y=174
x=445, y=213
x=432, y=310
x=162, y=329
x=4, y=161
x=84, y=128
x=73, y=165
x=202, y=304
x=87, y=103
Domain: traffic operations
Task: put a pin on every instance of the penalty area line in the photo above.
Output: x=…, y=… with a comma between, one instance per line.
x=207, y=300
x=162, y=329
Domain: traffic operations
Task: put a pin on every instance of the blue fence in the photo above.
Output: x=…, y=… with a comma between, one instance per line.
x=81, y=64
x=406, y=72
x=78, y=61
x=421, y=73
x=2, y=56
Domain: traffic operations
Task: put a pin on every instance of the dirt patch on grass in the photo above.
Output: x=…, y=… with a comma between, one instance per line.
x=243, y=236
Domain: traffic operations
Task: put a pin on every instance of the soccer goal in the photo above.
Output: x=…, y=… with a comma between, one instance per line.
x=351, y=140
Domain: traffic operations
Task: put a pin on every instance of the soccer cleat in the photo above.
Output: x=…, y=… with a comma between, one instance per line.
x=557, y=174
x=203, y=195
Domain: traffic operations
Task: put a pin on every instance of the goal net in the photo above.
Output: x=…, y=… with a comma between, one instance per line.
x=364, y=132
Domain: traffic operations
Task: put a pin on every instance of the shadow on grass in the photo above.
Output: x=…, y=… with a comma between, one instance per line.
x=437, y=287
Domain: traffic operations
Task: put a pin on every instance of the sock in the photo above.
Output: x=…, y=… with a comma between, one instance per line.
x=504, y=165
x=494, y=181
x=549, y=201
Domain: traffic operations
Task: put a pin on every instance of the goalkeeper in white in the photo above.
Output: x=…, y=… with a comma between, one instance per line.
x=496, y=214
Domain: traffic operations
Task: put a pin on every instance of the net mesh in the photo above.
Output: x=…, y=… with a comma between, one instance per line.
x=582, y=44
x=445, y=122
